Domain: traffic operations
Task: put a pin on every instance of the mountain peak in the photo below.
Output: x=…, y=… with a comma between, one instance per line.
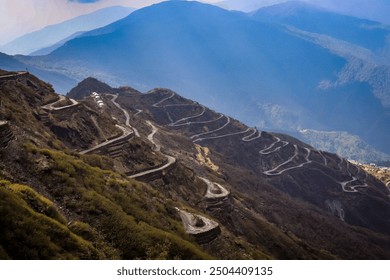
x=90, y=84
x=87, y=86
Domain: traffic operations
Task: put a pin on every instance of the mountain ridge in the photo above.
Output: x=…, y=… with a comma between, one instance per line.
x=76, y=154
x=344, y=144
x=55, y=33
x=375, y=10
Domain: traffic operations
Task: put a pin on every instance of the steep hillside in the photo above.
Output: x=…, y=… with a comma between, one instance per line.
x=60, y=204
x=264, y=172
x=282, y=161
x=158, y=176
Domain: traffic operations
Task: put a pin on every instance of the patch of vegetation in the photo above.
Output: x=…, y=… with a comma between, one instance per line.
x=130, y=216
x=33, y=229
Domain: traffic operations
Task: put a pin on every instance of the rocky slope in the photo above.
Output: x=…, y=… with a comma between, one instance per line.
x=158, y=176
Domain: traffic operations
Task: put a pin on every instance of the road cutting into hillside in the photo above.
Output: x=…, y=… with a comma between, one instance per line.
x=126, y=132
x=195, y=224
x=127, y=116
x=353, y=188
x=222, y=136
x=157, y=148
x=253, y=135
x=274, y=172
x=51, y=107
x=215, y=190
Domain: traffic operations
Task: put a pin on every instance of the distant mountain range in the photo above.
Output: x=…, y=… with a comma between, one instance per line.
x=54, y=35
x=12, y=64
x=287, y=67
x=343, y=144
x=49, y=49
x=246, y=5
x=377, y=10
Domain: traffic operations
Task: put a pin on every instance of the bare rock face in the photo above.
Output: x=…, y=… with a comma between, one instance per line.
x=6, y=134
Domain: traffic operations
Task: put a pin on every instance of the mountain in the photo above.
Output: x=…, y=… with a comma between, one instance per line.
x=11, y=64
x=359, y=32
x=246, y=5
x=362, y=43
x=376, y=10
x=49, y=49
x=89, y=85
x=159, y=176
x=262, y=72
x=343, y=144
x=51, y=35
x=59, y=205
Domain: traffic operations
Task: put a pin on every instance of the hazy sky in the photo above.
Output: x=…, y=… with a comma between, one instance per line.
x=22, y=16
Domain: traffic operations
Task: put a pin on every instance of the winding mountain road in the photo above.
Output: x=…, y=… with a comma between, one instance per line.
x=221, y=136
x=170, y=160
x=127, y=116
x=253, y=135
x=139, y=111
x=352, y=189
x=274, y=172
x=126, y=133
x=267, y=150
x=50, y=107
x=215, y=190
x=196, y=224
x=157, y=104
x=324, y=158
x=212, y=131
x=179, y=122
